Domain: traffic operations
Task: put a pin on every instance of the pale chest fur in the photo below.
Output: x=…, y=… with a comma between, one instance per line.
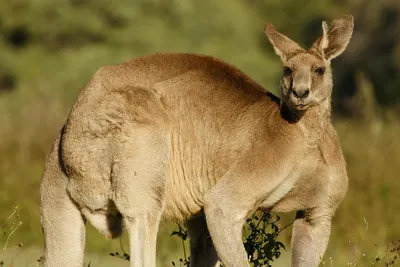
x=301, y=181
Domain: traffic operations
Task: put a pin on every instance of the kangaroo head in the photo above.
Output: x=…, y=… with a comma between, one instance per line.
x=307, y=74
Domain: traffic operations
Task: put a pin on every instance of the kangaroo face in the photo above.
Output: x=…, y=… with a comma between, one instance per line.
x=306, y=81
x=307, y=75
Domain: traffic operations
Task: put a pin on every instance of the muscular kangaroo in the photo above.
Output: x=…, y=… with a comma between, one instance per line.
x=190, y=138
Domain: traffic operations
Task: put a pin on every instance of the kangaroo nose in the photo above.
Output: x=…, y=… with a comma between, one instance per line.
x=301, y=92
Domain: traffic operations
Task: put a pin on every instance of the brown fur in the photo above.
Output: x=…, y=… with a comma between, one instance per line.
x=191, y=138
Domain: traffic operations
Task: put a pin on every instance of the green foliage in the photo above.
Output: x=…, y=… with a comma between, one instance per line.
x=261, y=233
x=261, y=242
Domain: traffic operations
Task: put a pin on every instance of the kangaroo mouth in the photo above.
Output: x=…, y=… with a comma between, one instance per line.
x=301, y=106
x=295, y=104
x=298, y=104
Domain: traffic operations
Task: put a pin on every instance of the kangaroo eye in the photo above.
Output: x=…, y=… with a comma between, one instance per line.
x=287, y=71
x=320, y=71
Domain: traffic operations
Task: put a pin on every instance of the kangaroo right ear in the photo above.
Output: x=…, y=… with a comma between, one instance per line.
x=284, y=47
x=335, y=38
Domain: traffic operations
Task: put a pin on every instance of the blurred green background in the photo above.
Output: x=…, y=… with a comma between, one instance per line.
x=50, y=49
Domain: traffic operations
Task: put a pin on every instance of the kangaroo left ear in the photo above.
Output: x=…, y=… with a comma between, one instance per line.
x=283, y=45
x=335, y=38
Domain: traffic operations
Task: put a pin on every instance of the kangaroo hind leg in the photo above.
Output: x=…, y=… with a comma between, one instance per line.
x=202, y=250
x=62, y=222
x=138, y=185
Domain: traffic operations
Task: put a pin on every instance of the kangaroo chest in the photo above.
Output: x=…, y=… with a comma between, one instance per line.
x=298, y=187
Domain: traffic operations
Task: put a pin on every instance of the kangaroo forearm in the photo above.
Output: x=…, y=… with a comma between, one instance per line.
x=309, y=242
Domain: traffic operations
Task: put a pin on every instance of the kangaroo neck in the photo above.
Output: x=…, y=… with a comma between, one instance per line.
x=309, y=124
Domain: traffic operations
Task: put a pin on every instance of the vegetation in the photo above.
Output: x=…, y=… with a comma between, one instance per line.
x=48, y=52
x=260, y=241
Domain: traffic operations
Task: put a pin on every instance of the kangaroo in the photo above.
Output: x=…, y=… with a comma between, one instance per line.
x=189, y=138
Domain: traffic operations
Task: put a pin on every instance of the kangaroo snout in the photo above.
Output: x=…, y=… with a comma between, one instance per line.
x=301, y=92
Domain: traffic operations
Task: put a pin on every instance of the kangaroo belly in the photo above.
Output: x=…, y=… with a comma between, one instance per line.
x=193, y=168
x=185, y=184
x=181, y=201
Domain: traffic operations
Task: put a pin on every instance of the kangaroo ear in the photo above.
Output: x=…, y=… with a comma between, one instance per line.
x=284, y=47
x=335, y=38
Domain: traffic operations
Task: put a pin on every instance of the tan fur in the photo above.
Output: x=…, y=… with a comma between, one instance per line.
x=190, y=138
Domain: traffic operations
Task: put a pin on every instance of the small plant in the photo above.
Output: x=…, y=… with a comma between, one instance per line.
x=389, y=257
x=182, y=234
x=392, y=254
x=261, y=241
x=124, y=255
x=9, y=226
